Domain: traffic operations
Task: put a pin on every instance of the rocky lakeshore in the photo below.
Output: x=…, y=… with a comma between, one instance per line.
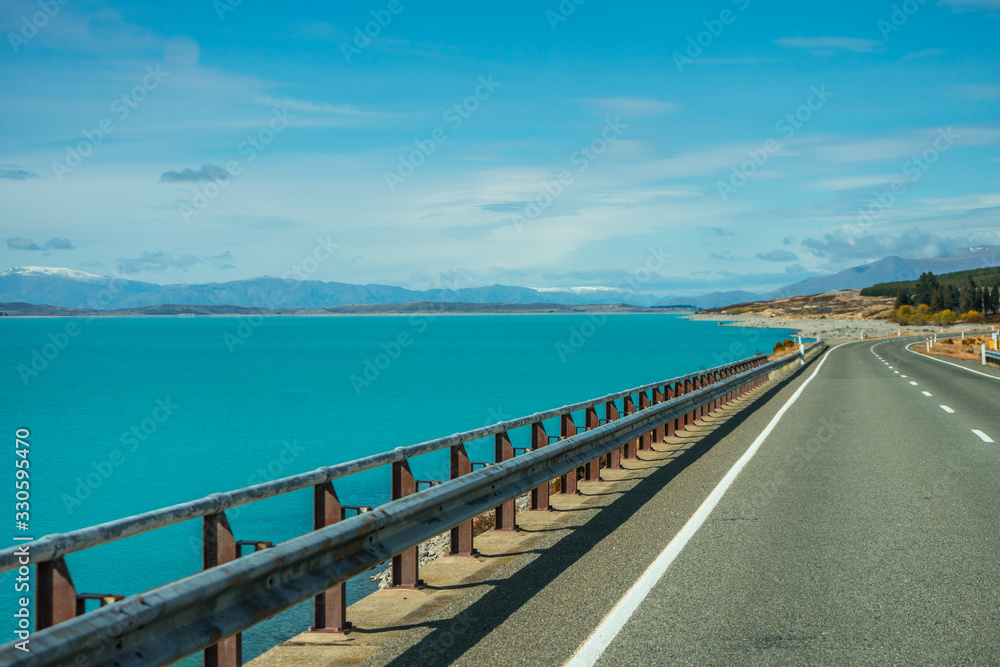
x=827, y=329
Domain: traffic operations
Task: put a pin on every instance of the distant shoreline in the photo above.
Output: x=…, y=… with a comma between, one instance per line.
x=826, y=328
x=425, y=309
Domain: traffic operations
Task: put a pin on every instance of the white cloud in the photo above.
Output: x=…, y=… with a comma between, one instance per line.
x=979, y=92
x=828, y=46
x=632, y=107
x=778, y=255
x=315, y=107
x=902, y=147
x=970, y=5
x=852, y=182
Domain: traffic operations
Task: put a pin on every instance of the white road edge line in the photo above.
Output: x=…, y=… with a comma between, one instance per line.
x=927, y=356
x=947, y=409
x=982, y=436
x=592, y=649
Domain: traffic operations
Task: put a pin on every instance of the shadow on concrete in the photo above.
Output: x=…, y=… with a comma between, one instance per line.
x=450, y=638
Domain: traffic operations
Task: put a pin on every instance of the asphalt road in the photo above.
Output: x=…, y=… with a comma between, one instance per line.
x=864, y=530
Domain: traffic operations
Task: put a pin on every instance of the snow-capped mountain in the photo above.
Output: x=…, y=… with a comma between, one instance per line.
x=77, y=289
x=54, y=272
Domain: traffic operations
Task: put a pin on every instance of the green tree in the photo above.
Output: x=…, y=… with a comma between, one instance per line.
x=937, y=300
x=924, y=289
x=902, y=298
x=951, y=298
x=965, y=297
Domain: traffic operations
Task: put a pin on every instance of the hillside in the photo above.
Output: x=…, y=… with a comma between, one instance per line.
x=987, y=277
x=841, y=305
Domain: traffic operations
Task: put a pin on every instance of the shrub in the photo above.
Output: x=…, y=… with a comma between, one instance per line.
x=902, y=315
x=946, y=318
x=783, y=345
x=970, y=316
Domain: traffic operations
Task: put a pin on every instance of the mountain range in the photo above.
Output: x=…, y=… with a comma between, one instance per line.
x=887, y=269
x=77, y=289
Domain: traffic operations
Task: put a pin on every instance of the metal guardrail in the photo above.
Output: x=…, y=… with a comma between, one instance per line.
x=992, y=357
x=209, y=609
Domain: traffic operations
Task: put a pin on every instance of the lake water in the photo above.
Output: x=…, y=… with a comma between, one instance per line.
x=128, y=415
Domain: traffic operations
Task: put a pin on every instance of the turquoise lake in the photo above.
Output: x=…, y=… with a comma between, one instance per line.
x=128, y=415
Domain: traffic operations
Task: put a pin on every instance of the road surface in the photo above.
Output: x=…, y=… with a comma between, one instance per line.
x=863, y=527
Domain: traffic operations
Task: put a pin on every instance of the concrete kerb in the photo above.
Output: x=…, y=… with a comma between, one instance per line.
x=390, y=616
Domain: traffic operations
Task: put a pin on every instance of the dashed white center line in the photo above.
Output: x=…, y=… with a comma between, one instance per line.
x=947, y=409
x=914, y=384
x=927, y=393
x=982, y=436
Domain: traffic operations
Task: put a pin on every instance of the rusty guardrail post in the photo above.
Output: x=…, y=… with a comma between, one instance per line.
x=505, y=512
x=661, y=431
x=406, y=565
x=539, y=494
x=688, y=416
x=218, y=548
x=329, y=607
x=646, y=439
x=593, y=468
x=630, y=447
x=55, y=595
x=461, y=535
x=567, y=428
x=713, y=378
x=670, y=426
x=704, y=408
x=614, y=456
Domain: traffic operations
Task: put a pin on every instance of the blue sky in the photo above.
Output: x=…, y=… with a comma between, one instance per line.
x=543, y=144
